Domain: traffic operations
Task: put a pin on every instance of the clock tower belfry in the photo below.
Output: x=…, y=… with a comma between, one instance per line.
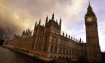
x=92, y=39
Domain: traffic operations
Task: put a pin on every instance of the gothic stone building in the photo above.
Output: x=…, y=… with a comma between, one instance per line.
x=46, y=42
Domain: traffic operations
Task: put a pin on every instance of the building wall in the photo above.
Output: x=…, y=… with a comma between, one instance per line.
x=25, y=44
x=47, y=43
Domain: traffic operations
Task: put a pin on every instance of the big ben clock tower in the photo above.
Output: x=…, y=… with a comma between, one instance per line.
x=93, y=48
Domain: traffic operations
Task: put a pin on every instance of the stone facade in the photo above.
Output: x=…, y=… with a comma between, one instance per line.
x=47, y=43
x=23, y=42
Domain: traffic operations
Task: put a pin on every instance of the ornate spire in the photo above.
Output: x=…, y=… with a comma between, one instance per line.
x=35, y=24
x=60, y=21
x=63, y=33
x=80, y=40
x=47, y=19
x=66, y=35
x=53, y=16
x=69, y=36
x=89, y=2
x=39, y=21
x=23, y=31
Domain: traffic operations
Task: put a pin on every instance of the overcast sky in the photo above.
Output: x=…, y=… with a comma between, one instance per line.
x=19, y=15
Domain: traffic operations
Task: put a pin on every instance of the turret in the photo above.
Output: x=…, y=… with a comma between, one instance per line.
x=39, y=21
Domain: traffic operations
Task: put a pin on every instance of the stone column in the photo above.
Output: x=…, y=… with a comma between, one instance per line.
x=58, y=44
x=49, y=42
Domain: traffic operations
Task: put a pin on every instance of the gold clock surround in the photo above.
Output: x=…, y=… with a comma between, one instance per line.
x=89, y=19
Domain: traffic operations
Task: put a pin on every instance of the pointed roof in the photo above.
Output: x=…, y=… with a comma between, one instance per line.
x=89, y=7
x=89, y=10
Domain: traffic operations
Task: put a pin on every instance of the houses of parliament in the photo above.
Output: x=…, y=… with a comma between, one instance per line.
x=47, y=43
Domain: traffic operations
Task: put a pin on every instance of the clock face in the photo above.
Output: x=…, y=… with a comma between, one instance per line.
x=89, y=19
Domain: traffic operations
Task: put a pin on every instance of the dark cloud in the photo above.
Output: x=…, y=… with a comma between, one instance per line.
x=9, y=25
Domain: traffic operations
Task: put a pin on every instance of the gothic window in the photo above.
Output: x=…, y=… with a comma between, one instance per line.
x=51, y=50
x=61, y=42
x=71, y=52
x=36, y=47
x=56, y=40
x=67, y=51
x=45, y=48
x=55, y=49
x=59, y=50
x=52, y=41
x=46, y=38
x=40, y=48
x=64, y=50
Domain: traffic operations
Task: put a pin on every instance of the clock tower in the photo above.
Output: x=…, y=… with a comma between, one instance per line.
x=92, y=39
